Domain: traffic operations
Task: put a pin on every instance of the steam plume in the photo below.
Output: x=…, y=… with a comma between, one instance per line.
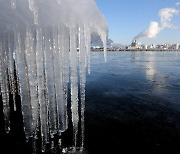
x=153, y=30
x=177, y=4
x=165, y=15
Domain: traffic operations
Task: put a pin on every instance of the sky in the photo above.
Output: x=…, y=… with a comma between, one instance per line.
x=128, y=18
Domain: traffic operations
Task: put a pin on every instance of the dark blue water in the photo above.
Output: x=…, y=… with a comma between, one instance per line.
x=133, y=103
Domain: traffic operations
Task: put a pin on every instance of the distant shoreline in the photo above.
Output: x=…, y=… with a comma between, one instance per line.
x=135, y=49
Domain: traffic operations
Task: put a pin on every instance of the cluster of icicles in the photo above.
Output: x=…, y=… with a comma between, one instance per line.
x=40, y=63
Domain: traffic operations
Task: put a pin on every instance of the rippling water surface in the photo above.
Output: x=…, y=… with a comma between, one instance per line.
x=132, y=106
x=133, y=103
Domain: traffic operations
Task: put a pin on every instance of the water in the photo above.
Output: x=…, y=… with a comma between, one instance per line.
x=132, y=103
x=138, y=72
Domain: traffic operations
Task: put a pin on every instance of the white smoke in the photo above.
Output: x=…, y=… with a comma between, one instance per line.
x=165, y=15
x=153, y=30
x=177, y=4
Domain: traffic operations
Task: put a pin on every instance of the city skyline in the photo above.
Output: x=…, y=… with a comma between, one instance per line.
x=156, y=21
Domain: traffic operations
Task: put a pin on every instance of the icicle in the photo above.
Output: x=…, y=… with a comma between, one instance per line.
x=50, y=87
x=59, y=79
x=23, y=83
x=82, y=58
x=32, y=76
x=88, y=46
x=103, y=36
x=11, y=66
x=13, y=4
x=42, y=87
x=4, y=84
x=74, y=81
x=65, y=67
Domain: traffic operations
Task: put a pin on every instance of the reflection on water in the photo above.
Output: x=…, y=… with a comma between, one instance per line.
x=155, y=72
x=132, y=103
x=152, y=74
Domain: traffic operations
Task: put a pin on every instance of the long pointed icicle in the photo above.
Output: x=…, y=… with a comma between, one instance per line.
x=103, y=36
x=42, y=87
x=65, y=67
x=87, y=38
x=74, y=82
x=50, y=87
x=58, y=61
x=21, y=68
x=4, y=84
x=32, y=75
x=11, y=66
x=82, y=59
x=57, y=77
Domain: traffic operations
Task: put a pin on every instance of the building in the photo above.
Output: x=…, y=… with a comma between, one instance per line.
x=134, y=45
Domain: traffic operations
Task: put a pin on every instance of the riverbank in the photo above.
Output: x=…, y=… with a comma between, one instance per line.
x=114, y=49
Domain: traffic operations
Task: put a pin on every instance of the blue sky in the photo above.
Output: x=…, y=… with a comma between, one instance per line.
x=127, y=18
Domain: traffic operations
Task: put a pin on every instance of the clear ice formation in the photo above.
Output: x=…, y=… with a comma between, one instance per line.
x=39, y=40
